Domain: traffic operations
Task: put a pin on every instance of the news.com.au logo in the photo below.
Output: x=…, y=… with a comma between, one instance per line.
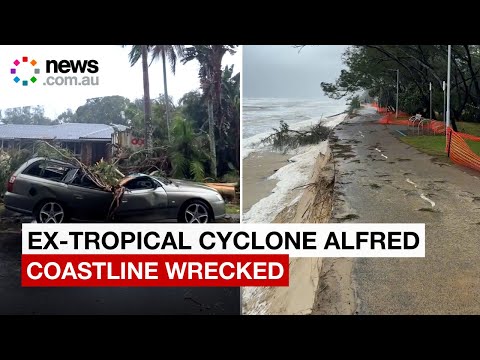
x=28, y=71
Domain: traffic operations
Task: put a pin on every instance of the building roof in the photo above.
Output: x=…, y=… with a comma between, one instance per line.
x=67, y=131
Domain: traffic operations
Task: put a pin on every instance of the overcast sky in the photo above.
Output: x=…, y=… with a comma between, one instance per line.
x=116, y=77
x=280, y=71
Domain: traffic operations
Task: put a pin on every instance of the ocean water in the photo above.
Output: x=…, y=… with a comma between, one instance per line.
x=261, y=115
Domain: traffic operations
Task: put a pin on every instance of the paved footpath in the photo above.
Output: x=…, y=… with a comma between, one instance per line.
x=381, y=179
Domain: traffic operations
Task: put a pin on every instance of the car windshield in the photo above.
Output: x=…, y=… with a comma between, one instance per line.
x=162, y=179
x=70, y=175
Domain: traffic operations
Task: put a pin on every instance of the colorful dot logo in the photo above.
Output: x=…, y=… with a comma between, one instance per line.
x=17, y=63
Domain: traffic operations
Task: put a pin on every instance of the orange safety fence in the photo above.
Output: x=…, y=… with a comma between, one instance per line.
x=380, y=110
x=390, y=119
x=469, y=136
x=435, y=126
x=459, y=151
x=456, y=148
x=384, y=110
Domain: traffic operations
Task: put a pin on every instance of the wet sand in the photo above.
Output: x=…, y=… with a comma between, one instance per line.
x=304, y=273
x=257, y=167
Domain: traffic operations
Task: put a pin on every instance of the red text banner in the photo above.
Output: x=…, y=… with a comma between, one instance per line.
x=154, y=270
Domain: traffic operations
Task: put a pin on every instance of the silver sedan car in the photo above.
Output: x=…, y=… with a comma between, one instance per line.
x=54, y=191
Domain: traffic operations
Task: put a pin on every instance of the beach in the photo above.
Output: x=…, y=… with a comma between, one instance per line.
x=273, y=181
x=297, y=187
x=257, y=168
x=288, y=186
x=298, y=204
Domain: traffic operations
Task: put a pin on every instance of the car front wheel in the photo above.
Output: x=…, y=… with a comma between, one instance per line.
x=195, y=212
x=50, y=212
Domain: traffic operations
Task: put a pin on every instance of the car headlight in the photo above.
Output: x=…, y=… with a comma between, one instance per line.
x=219, y=196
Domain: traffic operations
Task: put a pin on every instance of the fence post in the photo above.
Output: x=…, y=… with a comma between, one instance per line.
x=449, y=141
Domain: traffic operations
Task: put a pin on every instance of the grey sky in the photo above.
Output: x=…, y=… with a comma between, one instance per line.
x=116, y=76
x=280, y=71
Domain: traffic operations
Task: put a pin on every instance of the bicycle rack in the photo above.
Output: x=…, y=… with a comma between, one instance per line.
x=422, y=122
x=412, y=120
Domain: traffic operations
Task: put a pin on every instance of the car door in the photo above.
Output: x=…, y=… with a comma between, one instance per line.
x=144, y=200
x=87, y=200
x=39, y=181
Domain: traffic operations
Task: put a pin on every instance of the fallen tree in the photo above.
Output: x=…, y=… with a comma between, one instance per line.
x=285, y=138
x=227, y=190
x=104, y=174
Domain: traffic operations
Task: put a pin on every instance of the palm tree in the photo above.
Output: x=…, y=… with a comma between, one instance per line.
x=210, y=74
x=230, y=149
x=169, y=52
x=188, y=156
x=137, y=52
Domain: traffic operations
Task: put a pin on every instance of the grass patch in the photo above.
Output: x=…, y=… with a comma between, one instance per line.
x=475, y=146
x=232, y=208
x=432, y=145
x=469, y=127
x=435, y=145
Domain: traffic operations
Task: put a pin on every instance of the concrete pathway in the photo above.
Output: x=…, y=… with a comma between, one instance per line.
x=381, y=179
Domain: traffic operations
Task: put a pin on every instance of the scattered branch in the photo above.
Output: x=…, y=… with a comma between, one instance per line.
x=149, y=150
x=285, y=138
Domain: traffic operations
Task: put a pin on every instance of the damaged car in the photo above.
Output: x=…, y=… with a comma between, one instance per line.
x=53, y=191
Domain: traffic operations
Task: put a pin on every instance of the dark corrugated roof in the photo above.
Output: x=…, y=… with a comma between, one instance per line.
x=68, y=131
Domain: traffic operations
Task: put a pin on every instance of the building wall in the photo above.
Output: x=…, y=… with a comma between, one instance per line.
x=86, y=156
x=100, y=150
x=126, y=139
x=93, y=151
x=88, y=152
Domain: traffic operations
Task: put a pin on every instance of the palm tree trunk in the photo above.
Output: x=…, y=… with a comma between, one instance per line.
x=147, y=106
x=165, y=90
x=211, y=135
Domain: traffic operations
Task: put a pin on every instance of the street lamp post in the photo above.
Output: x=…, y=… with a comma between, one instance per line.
x=430, y=84
x=448, y=85
x=396, y=107
x=444, y=94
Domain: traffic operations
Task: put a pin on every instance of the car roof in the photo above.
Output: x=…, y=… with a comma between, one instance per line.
x=135, y=175
x=60, y=162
